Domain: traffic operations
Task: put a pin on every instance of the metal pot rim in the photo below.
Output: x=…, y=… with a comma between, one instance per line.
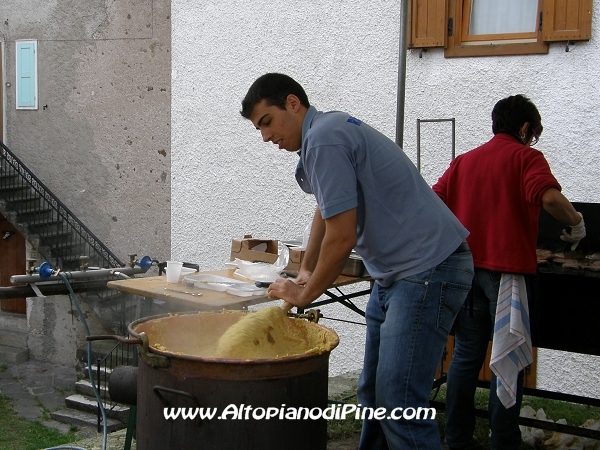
x=229, y=361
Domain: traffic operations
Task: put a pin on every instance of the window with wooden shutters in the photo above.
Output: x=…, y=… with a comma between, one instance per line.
x=26, y=76
x=492, y=27
x=427, y=23
x=567, y=20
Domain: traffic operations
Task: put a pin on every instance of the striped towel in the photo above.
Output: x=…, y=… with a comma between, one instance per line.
x=511, y=344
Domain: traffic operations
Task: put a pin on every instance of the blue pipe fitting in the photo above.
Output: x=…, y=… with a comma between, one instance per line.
x=145, y=263
x=45, y=270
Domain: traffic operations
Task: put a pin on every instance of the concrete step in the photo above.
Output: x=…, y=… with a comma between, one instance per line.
x=83, y=373
x=13, y=320
x=90, y=405
x=13, y=337
x=86, y=419
x=13, y=355
x=84, y=387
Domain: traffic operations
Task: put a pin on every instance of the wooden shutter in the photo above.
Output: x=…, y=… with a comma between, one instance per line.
x=427, y=23
x=567, y=20
x=26, y=75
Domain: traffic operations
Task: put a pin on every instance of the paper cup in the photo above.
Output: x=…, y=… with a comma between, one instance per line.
x=173, y=271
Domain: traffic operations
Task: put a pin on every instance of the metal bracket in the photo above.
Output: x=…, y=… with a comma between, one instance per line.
x=312, y=315
x=36, y=290
x=151, y=359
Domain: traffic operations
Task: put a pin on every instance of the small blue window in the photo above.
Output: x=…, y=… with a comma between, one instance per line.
x=26, y=63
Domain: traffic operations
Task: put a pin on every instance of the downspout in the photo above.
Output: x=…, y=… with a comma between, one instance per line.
x=401, y=73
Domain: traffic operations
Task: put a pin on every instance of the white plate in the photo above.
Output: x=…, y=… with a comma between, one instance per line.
x=239, y=292
x=246, y=291
x=216, y=282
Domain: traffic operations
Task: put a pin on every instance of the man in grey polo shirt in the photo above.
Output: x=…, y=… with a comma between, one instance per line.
x=371, y=198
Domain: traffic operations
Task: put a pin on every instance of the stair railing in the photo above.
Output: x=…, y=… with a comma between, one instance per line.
x=27, y=195
x=120, y=355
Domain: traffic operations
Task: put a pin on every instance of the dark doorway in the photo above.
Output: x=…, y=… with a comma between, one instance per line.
x=12, y=262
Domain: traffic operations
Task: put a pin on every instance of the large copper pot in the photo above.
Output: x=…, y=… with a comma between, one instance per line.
x=172, y=375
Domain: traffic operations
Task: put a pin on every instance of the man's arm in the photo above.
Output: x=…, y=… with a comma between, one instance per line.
x=313, y=248
x=338, y=240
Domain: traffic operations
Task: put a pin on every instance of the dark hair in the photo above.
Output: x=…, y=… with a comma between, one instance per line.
x=274, y=88
x=510, y=113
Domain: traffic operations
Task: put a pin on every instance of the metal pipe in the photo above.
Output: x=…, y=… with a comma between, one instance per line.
x=419, y=145
x=121, y=275
x=400, y=97
x=101, y=273
x=50, y=289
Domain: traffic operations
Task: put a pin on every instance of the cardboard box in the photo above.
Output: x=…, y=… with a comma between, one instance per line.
x=266, y=250
x=246, y=249
x=296, y=255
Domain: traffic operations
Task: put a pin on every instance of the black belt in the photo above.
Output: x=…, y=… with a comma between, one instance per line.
x=462, y=248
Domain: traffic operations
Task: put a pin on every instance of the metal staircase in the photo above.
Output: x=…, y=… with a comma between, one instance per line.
x=62, y=239
x=56, y=233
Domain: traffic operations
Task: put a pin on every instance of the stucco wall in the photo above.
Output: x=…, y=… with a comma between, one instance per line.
x=564, y=87
x=100, y=140
x=55, y=330
x=227, y=183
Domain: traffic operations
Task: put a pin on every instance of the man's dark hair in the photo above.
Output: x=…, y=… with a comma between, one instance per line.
x=274, y=88
x=510, y=113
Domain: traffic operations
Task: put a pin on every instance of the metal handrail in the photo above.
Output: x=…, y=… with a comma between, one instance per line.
x=120, y=354
x=66, y=222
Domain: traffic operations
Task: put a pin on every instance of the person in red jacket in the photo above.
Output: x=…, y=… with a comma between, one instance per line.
x=496, y=191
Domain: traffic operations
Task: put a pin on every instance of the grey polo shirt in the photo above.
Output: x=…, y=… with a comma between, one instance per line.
x=403, y=227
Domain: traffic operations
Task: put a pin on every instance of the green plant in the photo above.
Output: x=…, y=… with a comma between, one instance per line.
x=342, y=429
x=21, y=434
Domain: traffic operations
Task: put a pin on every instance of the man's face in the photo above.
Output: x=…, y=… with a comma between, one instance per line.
x=282, y=127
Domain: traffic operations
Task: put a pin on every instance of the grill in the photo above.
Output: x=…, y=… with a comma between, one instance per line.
x=564, y=308
x=565, y=311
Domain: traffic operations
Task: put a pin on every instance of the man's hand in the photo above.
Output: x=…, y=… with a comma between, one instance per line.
x=302, y=277
x=577, y=233
x=286, y=290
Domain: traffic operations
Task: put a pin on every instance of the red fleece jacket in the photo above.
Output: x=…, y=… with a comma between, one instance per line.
x=496, y=192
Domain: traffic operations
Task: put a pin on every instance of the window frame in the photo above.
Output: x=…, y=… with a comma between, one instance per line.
x=460, y=44
x=433, y=23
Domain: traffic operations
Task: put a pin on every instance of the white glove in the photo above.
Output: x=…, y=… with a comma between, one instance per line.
x=577, y=234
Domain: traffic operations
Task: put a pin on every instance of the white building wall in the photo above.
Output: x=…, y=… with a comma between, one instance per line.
x=227, y=183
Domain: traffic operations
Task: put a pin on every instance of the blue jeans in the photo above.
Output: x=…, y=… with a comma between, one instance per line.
x=407, y=328
x=472, y=332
